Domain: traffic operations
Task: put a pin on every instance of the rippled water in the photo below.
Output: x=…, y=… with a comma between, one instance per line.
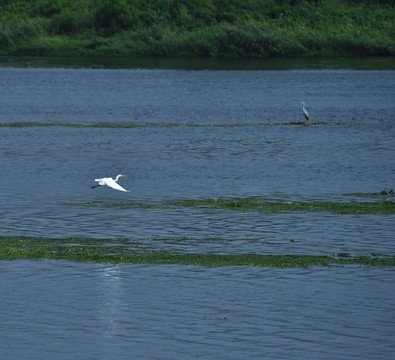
x=84, y=311
x=200, y=134
x=221, y=135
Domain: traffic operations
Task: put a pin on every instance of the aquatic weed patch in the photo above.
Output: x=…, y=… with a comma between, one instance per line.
x=118, y=251
x=268, y=207
x=132, y=125
x=38, y=124
x=380, y=194
x=109, y=125
x=67, y=241
x=122, y=204
x=258, y=204
x=120, y=125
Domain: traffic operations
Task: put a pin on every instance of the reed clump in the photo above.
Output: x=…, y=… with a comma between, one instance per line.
x=203, y=28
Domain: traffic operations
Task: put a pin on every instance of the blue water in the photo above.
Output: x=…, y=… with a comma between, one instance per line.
x=88, y=311
x=201, y=134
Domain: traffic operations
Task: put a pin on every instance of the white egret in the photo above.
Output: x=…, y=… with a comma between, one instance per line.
x=111, y=183
x=305, y=113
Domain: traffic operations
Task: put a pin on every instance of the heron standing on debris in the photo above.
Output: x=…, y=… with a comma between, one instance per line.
x=110, y=182
x=305, y=113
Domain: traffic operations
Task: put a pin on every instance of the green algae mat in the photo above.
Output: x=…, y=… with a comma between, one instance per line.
x=132, y=125
x=127, y=251
x=118, y=251
x=379, y=206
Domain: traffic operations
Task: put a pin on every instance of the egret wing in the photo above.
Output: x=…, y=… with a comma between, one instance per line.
x=112, y=184
x=100, y=181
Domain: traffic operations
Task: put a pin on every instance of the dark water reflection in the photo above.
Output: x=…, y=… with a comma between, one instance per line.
x=201, y=134
x=309, y=63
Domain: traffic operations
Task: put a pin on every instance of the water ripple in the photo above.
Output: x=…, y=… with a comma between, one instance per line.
x=192, y=311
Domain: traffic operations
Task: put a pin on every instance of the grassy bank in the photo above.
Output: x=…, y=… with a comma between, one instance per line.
x=202, y=28
x=118, y=251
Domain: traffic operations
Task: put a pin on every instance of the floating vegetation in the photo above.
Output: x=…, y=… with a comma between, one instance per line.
x=123, y=204
x=382, y=193
x=305, y=123
x=267, y=207
x=112, y=125
x=376, y=207
x=132, y=125
x=118, y=251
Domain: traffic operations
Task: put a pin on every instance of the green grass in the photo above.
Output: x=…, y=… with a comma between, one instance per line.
x=118, y=251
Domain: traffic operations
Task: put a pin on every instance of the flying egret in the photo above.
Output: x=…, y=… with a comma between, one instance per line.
x=111, y=183
x=305, y=113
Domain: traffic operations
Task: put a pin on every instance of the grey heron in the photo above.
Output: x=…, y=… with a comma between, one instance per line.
x=305, y=113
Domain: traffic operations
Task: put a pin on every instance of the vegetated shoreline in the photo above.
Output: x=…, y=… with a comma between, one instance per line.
x=206, y=28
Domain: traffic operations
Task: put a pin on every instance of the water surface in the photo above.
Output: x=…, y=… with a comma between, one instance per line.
x=200, y=134
x=197, y=132
x=88, y=311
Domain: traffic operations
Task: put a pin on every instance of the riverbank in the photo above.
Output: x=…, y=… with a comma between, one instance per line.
x=208, y=29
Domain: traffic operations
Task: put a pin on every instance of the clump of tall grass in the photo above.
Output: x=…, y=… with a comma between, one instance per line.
x=21, y=29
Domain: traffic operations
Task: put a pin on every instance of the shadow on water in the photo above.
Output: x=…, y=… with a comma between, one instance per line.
x=310, y=63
